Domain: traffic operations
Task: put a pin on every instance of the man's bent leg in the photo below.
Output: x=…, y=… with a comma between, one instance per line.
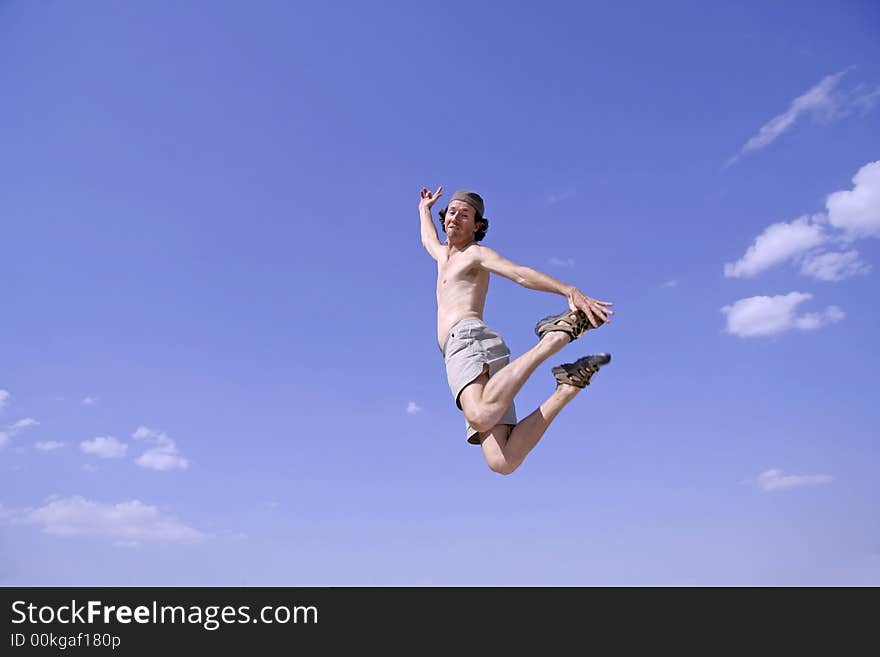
x=505, y=449
x=485, y=400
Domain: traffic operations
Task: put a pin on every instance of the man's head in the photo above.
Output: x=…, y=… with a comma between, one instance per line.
x=464, y=216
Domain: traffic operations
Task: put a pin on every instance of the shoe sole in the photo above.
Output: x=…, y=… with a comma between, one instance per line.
x=595, y=361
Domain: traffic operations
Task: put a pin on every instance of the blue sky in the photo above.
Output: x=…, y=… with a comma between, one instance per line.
x=218, y=361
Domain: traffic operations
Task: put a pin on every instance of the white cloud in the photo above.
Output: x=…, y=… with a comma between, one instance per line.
x=671, y=283
x=126, y=521
x=163, y=456
x=834, y=265
x=145, y=433
x=853, y=213
x=23, y=424
x=48, y=446
x=761, y=315
x=779, y=242
x=106, y=447
x=13, y=429
x=412, y=408
x=562, y=262
x=89, y=401
x=4, y=398
x=818, y=101
x=857, y=211
x=773, y=479
x=812, y=321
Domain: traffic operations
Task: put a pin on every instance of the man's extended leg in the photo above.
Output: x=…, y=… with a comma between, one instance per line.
x=485, y=400
x=505, y=449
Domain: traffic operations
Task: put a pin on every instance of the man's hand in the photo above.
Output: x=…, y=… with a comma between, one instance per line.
x=596, y=311
x=430, y=240
x=428, y=199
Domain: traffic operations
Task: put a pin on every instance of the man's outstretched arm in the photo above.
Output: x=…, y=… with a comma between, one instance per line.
x=596, y=311
x=429, y=231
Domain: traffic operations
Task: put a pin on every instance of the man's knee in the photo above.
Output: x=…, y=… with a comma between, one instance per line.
x=500, y=465
x=481, y=418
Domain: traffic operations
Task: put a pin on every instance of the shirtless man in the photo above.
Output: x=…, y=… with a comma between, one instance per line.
x=481, y=377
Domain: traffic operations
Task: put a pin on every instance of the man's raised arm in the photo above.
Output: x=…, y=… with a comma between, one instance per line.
x=429, y=231
x=596, y=311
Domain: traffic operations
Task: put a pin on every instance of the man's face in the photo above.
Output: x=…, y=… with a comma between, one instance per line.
x=460, y=220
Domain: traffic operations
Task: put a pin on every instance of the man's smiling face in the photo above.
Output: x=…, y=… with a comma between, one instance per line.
x=460, y=222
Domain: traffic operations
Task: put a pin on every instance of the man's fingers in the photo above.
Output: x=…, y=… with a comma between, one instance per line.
x=598, y=315
x=606, y=313
x=589, y=313
x=426, y=193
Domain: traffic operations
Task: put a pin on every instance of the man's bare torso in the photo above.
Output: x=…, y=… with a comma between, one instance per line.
x=461, y=289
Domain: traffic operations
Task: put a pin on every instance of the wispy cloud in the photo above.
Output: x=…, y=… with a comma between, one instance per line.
x=864, y=98
x=819, y=101
x=857, y=211
x=834, y=265
x=48, y=445
x=412, y=408
x=125, y=521
x=779, y=242
x=670, y=283
x=163, y=455
x=762, y=315
x=562, y=262
x=23, y=424
x=106, y=447
x=12, y=429
x=773, y=479
x=4, y=398
x=816, y=99
x=89, y=401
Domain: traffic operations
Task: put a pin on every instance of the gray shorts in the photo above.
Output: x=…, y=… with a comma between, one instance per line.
x=472, y=348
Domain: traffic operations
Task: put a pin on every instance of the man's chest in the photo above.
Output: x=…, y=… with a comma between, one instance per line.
x=458, y=270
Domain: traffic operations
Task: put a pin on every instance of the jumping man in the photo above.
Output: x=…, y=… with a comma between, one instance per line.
x=482, y=378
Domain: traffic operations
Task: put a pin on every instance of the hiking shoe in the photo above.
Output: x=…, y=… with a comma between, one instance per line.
x=573, y=323
x=581, y=371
